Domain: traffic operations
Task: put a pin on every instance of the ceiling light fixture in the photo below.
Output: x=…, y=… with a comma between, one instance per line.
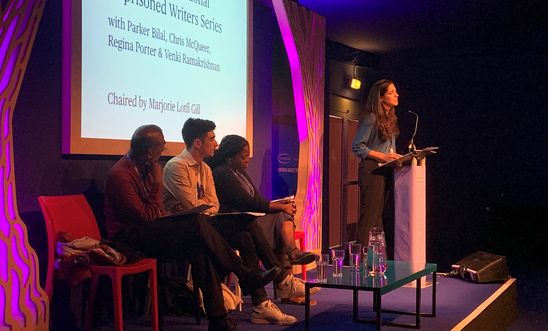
x=355, y=83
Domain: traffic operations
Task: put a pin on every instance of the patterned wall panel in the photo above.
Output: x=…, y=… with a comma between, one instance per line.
x=303, y=34
x=23, y=303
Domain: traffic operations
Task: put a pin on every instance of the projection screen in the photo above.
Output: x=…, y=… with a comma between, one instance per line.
x=132, y=62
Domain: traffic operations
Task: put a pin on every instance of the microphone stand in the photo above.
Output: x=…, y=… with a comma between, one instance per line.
x=411, y=146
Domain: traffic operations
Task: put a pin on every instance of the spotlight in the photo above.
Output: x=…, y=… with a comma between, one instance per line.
x=355, y=83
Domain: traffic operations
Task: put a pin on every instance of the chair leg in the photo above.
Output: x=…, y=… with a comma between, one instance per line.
x=83, y=304
x=118, y=309
x=197, y=310
x=195, y=295
x=92, y=291
x=302, y=244
x=154, y=298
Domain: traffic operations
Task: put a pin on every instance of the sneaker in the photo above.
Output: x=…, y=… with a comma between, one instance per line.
x=268, y=313
x=313, y=290
x=290, y=287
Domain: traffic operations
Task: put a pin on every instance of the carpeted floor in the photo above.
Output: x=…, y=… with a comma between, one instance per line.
x=455, y=300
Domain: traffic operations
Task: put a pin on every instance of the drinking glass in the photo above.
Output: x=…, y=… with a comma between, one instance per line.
x=355, y=279
x=381, y=261
x=337, y=255
x=372, y=259
x=364, y=259
x=354, y=251
x=322, y=260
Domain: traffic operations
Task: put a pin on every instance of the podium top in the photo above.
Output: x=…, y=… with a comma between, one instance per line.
x=419, y=154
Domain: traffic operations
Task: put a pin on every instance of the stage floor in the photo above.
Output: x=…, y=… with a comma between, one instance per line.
x=458, y=301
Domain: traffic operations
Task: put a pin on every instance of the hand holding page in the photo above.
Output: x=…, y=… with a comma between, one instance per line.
x=288, y=199
x=428, y=150
x=193, y=211
x=419, y=153
x=250, y=213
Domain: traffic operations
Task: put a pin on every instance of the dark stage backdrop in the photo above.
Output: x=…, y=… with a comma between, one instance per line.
x=485, y=107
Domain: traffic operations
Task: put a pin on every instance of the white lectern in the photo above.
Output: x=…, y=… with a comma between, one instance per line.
x=410, y=205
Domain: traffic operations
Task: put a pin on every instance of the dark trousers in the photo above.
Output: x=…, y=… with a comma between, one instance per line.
x=245, y=235
x=188, y=237
x=372, y=183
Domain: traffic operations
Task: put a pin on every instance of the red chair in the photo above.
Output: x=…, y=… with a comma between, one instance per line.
x=299, y=235
x=72, y=214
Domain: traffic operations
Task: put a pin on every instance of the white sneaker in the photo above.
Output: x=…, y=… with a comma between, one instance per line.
x=313, y=290
x=268, y=313
x=290, y=288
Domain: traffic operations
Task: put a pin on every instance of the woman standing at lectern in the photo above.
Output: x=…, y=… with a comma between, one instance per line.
x=374, y=143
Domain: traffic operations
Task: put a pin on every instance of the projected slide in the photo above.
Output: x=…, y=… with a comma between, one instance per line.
x=159, y=62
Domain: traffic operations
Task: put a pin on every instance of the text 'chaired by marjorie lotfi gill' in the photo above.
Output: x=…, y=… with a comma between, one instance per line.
x=175, y=46
x=143, y=103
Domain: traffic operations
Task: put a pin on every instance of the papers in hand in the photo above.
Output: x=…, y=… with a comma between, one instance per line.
x=192, y=211
x=419, y=153
x=286, y=199
x=428, y=150
x=250, y=213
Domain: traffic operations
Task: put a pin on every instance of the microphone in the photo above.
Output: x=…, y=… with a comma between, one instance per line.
x=411, y=146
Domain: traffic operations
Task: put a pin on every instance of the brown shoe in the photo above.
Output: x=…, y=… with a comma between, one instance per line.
x=298, y=257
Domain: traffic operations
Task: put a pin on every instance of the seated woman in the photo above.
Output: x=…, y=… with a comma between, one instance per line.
x=236, y=192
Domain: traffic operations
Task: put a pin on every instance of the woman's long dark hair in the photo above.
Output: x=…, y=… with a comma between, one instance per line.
x=387, y=122
x=230, y=146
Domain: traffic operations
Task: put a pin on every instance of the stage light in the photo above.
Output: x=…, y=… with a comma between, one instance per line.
x=355, y=83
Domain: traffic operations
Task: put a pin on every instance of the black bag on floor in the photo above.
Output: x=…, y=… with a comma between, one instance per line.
x=482, y=267
x=175, y=297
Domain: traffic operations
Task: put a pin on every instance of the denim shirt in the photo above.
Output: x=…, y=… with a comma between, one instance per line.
x=367, y=139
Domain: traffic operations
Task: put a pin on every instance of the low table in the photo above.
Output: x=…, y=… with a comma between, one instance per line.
x=398, y=274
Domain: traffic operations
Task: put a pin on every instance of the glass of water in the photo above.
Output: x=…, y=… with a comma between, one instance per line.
x=337, y=255
x=381, y=262
x=322, y=260
x=364, y=259
x=372, y=260
x=354, y=251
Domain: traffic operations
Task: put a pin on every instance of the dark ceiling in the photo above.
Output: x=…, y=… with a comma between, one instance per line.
x=382, y=26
